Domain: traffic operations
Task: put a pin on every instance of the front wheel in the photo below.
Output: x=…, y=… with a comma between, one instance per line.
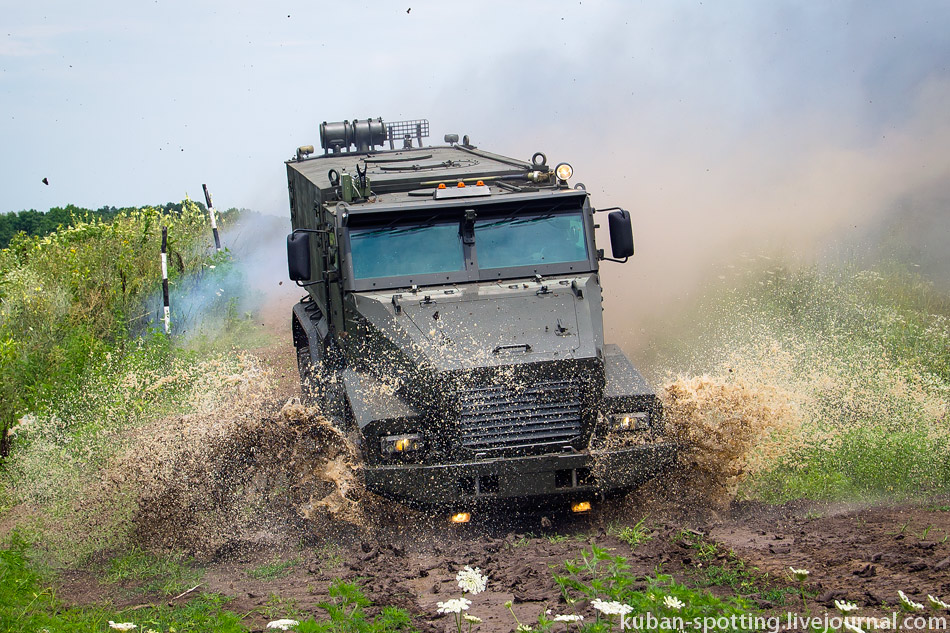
x=308, y=374
x=321, y=386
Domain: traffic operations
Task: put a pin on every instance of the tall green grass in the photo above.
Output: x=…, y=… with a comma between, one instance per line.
x=83, y=362
x=70, y=298
x=865, y=358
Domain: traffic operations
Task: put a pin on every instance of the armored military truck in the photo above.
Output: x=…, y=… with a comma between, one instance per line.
x=453, y=324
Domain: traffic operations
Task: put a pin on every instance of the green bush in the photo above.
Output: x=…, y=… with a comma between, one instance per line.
x=69, y=298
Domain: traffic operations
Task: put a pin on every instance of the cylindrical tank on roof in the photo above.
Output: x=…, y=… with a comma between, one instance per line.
x=342, y=135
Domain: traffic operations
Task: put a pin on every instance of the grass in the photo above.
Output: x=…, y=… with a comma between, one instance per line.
x=166, y=575
x=859, y=360
x=721, y=567
x=329, y=556
x=632, y=535
x=70, y=299
x=28, y=604
x=599, y=574
x=81, y=370
x=276, y=569
x=347, y=611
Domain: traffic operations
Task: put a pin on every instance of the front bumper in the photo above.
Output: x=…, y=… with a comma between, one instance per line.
x=559, y=476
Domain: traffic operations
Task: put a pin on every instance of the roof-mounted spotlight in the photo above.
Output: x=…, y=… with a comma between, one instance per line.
x=564, y=172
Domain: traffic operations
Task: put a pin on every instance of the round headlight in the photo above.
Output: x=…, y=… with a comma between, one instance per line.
x=564, y=171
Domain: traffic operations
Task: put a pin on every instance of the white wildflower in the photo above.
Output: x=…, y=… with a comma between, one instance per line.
x=283, y=625
x=122, y=626
x=845, y=607
x=524, y=628
x=673, y=603
x=474, y=619
x=937, y=603
x=471, y=580
x=801, y=575
x=455, y=605
x=611, y=608
x=568, y=618
x=909, y=604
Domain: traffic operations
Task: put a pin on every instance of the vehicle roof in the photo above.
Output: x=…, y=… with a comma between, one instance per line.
x=408, y=174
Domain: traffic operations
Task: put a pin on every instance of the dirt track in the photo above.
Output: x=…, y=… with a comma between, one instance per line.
x=863, y=554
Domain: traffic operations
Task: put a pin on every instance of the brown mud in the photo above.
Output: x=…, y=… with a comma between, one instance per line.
x=862, y=554
x=275, y=483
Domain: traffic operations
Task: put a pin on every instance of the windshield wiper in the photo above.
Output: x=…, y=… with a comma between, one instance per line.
x=516, y=220
x=389, y=229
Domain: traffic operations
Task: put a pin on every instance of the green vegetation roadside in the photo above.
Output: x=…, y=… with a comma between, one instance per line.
x=27, y=603
x=862, y=356
x=81, y=363
x=75, y=301
x=40, y=223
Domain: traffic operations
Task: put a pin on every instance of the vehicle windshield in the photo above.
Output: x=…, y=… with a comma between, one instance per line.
x=406, y=250
x=530, y=240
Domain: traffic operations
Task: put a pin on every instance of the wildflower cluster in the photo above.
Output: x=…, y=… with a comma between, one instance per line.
x=907, y=604
x=455, y=605
x=470, y=581
x=801, y=575
x=845, y=607
x=568, y=618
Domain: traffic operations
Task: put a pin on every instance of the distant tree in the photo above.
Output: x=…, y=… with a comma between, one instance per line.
x=33, y=222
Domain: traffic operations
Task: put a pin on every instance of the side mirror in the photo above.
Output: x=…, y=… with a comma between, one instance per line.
x=621, y=234
x=298, y=256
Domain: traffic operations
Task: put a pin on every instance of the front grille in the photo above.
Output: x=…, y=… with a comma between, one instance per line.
x=498, y=417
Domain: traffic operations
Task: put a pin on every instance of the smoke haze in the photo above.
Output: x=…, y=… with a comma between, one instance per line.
x=725, y=128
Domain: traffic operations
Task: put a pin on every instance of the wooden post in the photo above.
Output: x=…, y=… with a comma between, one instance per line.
x=166, y=317
x=214, y=223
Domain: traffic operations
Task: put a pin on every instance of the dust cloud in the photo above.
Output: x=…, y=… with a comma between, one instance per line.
x=695, y=213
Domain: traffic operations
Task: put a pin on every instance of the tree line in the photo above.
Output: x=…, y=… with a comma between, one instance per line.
x=33, y=222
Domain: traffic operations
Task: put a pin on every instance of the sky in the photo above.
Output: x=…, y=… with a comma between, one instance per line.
x=721, y=125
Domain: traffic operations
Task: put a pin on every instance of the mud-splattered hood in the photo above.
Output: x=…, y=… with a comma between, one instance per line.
x=489, y=324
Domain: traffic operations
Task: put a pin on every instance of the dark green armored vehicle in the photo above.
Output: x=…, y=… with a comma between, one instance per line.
x=453, y=322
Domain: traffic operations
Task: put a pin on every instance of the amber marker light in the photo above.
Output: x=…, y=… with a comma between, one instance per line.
x=480, y=183
x=441, y=185
x=581, y=506
x=461, y=517
x=461, y=185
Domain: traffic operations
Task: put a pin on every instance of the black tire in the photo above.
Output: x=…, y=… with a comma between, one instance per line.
x=308, y=374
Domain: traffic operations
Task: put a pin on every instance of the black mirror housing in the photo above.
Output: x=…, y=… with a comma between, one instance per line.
x=621, y=234
x=298, y=256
